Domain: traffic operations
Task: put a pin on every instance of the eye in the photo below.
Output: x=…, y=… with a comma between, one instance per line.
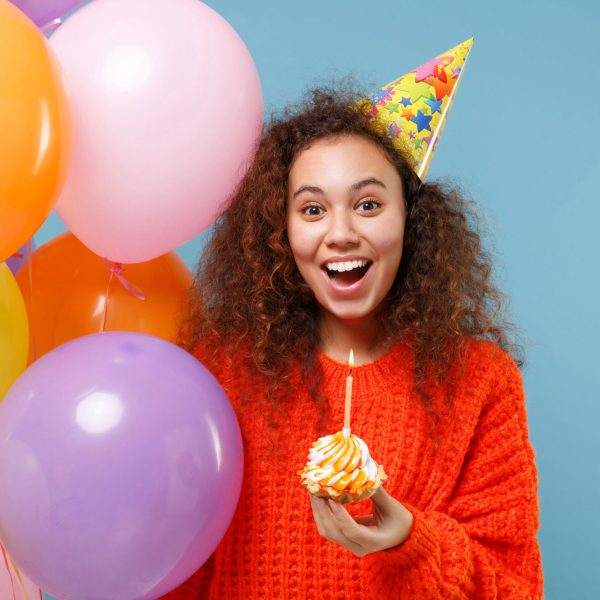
x=368, y=205
x=312, y=210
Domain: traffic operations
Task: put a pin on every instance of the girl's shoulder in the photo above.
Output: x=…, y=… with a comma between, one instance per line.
x=483, y=351
x=489, y=365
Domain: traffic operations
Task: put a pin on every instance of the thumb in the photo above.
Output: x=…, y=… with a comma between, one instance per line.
x=393, y=512
x=382, y=500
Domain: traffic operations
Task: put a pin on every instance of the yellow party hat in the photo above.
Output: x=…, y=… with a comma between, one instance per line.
x=414, y=107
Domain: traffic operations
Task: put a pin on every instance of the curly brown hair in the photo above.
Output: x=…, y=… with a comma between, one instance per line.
x=249, y=290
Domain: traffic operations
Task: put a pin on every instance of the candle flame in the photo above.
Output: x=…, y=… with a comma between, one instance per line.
x=351, y=361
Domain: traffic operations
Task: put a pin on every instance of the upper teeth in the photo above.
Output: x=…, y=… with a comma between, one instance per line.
x=346, y=266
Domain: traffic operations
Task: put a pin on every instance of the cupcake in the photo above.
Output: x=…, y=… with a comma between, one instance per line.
x=340, y=467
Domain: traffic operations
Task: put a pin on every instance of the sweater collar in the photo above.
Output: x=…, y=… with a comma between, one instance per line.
x=383, y=372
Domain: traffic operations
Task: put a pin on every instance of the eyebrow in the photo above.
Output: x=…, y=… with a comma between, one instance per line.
x=365, y=182
x=307, y=188
x=355, y=187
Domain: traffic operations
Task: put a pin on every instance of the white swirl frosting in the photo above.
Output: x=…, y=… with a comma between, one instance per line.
x=342, y=463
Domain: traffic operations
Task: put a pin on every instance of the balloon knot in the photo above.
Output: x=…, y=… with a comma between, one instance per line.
x=117, y=269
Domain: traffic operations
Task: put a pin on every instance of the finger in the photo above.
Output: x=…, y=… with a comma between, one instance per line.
x=382, y=501
x=354, y=532
x=366, y=520
x=326, y=523
x=319, y=506
x=395, y=520
x=380, y=497
x=328, y=526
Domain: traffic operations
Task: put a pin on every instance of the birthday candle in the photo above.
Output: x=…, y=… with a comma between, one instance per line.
x=348, y=402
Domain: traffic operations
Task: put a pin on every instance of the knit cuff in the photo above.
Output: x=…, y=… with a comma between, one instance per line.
x=421, y=544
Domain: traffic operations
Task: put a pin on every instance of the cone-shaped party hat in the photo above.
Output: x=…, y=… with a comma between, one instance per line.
x=414, y=107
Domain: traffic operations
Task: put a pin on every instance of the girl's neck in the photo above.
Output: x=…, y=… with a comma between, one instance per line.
x=364, y=336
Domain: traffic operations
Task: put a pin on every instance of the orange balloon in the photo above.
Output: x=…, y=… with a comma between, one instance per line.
x=35, y=129
x=71, y=287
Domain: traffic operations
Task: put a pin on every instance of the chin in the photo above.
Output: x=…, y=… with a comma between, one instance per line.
x=350, y=314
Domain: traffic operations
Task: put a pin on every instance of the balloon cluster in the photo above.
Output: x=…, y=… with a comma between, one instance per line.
x=120, y=455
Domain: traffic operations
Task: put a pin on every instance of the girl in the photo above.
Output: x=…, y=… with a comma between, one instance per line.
x=330, y=243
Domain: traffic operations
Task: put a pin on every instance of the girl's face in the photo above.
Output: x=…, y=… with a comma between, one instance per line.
x=345, y=223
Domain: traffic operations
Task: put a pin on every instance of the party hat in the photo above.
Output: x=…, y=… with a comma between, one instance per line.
x=414, y=107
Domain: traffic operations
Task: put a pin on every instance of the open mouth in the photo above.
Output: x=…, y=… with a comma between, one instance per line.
x=347, y=273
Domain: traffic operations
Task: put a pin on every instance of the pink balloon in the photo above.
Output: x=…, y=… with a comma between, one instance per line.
x=168, y=107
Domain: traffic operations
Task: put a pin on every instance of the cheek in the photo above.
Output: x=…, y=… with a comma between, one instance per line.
x=387, y=239
x=304, y=241
x=389, y=251
x=391, y=245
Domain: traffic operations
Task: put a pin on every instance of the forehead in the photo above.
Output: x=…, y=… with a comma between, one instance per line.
x=341, y=158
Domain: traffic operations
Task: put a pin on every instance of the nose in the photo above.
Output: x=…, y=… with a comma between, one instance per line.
x=341, y=231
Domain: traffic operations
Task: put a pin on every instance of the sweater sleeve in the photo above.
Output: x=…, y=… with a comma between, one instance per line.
x=484, y=545
x=194, y=588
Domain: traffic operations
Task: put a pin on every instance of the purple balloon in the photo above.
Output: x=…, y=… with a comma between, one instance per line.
x=120, y=467
x=16, y=261
x=43, y=12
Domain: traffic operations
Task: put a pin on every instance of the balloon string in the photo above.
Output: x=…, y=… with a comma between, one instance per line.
x=18, y=255
x=50, y=27
x=30, y=274
x=20, y=578
x=106, y=296
x=9, y=573
x=116, y=270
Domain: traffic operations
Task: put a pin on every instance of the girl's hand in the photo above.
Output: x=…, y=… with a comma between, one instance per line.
x=388, y=526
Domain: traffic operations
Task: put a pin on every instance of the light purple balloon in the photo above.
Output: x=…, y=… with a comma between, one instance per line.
x=43, y=12
x=16, y=261
x=120, y=467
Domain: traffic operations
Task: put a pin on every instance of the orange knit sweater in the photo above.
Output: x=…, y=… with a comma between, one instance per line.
x=474, y=500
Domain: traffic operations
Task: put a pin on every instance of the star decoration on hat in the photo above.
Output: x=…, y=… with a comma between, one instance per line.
x=421, y=121
x=434, y=105
x=427, y=70
x=443, y=89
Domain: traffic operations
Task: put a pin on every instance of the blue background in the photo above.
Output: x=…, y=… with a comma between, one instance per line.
x=522, y=141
